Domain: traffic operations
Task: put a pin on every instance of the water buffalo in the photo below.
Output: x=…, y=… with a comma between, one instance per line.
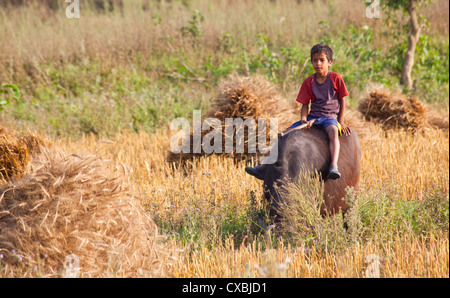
x=308, y=149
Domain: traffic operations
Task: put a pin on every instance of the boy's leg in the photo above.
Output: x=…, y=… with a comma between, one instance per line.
x=333, y=135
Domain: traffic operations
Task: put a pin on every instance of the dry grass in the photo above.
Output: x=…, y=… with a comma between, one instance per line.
x=393, y=110
x=117, y=38
x=86, y=204
x=252, y=97
x=244, y=98
x=413, y=257
x=418, y=161
x=77, y=204
x=15, y=151
x=387, y=167
x=165, y=184
x=76, y=196
x=398, y=165
x=395, y=164
x=406, y=166
x=438, y=119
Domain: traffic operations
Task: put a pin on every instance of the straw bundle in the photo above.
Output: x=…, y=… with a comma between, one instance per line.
x=245, y=97
x=76, y=205
x=15, y=151
x=251, y=97
x=438, y=119
x=393, y=110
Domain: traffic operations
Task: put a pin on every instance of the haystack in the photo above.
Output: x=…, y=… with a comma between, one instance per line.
x=76, y=207
x=15, y=151
x=438, y=119
x=393, y=110
x=252, y=97
x=245, y=97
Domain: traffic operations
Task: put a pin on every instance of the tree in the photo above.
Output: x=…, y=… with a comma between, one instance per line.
x=410, y=7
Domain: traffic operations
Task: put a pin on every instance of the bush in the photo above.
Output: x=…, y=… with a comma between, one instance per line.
x=372, y=217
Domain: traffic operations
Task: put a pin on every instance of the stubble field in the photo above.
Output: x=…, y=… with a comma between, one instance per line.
x=108, y=85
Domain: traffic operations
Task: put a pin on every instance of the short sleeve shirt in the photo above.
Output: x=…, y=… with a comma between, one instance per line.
x=324, y=97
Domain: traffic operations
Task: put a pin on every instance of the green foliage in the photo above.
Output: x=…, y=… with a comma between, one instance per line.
x=431, y=69
x=268, y=59
x=215, y=71
x=402, y=4
x=228, y=43
x=183, y=70
x=194, y=27
x=371, y=217
x=205, y=224
x=356, y=59
x=156, y=18
x=383, y=218
x=8, y=92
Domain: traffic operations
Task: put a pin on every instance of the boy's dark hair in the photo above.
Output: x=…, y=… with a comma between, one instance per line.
x=322, y=48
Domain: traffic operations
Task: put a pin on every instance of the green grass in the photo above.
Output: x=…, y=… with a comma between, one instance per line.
x=179, y=71
x=375, y=216
x=202, y=223
x=85, y=99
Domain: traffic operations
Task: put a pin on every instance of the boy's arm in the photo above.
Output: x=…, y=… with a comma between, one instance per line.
x=304, y=113
x=305, y=96
x=345, y=129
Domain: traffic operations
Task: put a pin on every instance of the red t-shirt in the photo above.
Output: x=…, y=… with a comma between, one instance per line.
x=324, y=97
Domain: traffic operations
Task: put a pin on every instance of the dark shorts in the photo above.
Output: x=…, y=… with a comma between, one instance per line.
x=321, y=122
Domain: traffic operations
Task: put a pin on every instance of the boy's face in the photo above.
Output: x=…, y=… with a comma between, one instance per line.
x=321, y=63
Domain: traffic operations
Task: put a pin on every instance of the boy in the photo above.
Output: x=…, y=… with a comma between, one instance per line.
x=325, y=92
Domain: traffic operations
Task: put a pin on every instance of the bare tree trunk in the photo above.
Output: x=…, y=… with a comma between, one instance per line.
x=413, y=39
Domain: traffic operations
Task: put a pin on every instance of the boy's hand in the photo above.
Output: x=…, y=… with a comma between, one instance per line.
x=309, y=123
x=345, y=129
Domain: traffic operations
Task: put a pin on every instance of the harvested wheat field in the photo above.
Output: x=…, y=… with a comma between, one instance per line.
x=89, y=185
x=77, y=205
x=126, y=211
x=209, y=208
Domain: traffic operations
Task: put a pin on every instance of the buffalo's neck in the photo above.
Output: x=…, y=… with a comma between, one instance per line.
x=304, y=152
